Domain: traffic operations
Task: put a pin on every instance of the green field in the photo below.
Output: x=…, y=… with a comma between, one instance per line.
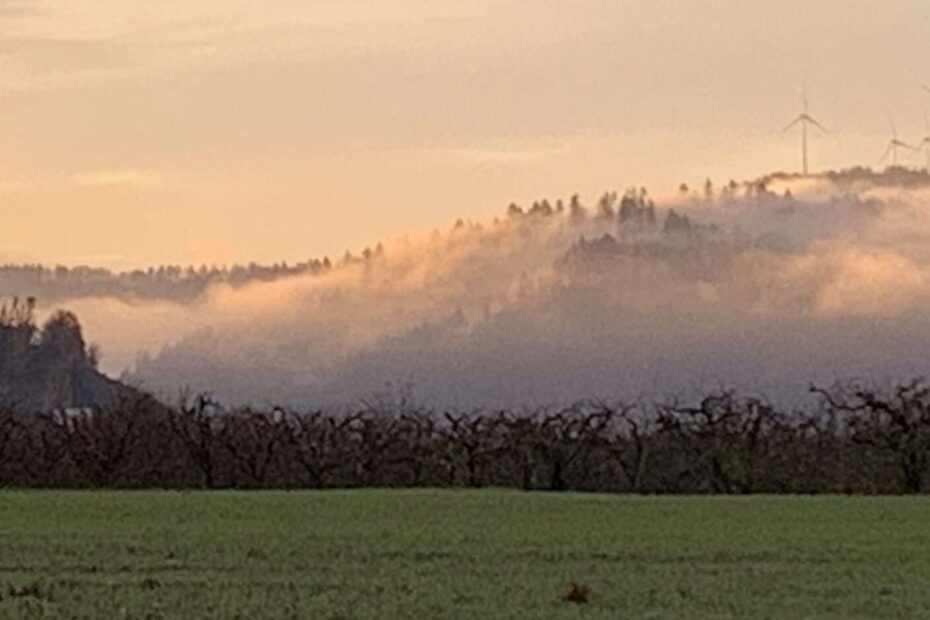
x=448, y=554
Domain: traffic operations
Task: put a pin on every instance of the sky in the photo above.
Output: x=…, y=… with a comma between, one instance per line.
x=208, y=131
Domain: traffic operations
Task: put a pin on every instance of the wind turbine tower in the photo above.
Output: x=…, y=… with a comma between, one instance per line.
x=804, y=119
x=925, y=143
x=894, y=144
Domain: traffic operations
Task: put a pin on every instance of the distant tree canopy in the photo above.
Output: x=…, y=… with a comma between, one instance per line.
x=63, y=337
x=172, y=283
x=61, y=333
x=15, y=313
x=17, y=330
x=47, y=368
x=635, y=210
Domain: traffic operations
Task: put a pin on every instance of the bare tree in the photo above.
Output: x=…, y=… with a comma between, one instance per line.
x=895, y=424
x=472, y=440
x=318, y=443
x=199, y=426
x=628, y=444
x=253, y=438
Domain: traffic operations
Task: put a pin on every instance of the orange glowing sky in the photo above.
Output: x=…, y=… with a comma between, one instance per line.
x=226, y=131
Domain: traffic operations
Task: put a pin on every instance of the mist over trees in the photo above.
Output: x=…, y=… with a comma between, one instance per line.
x=763, y=285
x=757, y=284
x=167, y=282
x=700, y=346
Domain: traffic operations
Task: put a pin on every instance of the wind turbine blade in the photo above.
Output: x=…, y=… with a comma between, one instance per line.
x=894, y=129
x=887, y=153
x=804, y=97
x=799, y=119
x=926, y=88
x=817, y=125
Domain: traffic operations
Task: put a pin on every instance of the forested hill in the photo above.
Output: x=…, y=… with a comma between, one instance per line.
x=49, y=368
x=186, y=284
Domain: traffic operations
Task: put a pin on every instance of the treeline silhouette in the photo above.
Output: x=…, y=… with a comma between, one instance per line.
x=852, y=439
x=48, y=367
x=633, y=211
x=186, y=284
x=166, y=282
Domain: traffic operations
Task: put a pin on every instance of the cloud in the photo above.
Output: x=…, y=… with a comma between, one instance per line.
x=49, y=63
x=851, y=280
x=503, y=157
x=16, y=8
x=119, y=177
x=49, y=45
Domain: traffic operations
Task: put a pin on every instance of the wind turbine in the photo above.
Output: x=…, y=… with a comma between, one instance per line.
x=804, y=119
x=894, y=144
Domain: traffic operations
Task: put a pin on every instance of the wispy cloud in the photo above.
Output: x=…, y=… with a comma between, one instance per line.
x=49, y=45
x=119, y=177
x=14, y=8
x=514, y=157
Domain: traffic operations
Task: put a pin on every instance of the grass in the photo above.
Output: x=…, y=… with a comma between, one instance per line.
x=459, y=554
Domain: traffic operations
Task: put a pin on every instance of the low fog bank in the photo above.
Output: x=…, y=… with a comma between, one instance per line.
x=764, y=286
